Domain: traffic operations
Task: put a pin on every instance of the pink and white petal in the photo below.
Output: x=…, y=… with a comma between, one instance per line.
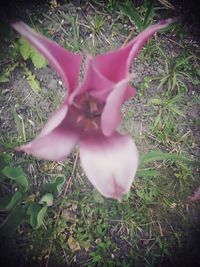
x=130, y=92
x=138, y=43
x=54, y=146
x=64, y=62
x=55, y=120
x=115, y=64
x=110, y=163
x=111, y=115
x=94, y=83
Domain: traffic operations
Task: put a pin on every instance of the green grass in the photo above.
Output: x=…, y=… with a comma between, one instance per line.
x=155, y=224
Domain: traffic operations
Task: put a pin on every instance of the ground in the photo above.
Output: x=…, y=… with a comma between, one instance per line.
x=156, y=224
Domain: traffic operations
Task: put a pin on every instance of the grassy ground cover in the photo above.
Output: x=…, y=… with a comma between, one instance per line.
x=50, y=214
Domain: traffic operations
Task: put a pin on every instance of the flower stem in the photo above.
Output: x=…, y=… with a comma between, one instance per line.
x=61, y=206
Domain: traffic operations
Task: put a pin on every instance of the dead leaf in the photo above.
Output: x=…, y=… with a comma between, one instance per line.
x=196, y=195
x=73, y=244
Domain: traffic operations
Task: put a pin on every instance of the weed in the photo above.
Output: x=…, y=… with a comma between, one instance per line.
x=175, y=71
x=81, y=227
x=97, y=23
x=142, y=17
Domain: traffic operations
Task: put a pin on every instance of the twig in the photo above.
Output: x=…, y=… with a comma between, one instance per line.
x=61, y=206
x=128, y=37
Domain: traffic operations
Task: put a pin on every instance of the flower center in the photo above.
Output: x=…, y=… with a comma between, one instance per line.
x=88, y=110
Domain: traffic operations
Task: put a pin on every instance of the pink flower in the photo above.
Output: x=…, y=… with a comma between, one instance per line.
x=90, y=112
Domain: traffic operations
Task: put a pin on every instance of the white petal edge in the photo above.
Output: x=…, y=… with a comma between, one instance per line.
x=54, y=146
x=110, y=163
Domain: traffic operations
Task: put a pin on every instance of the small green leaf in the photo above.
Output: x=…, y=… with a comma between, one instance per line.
x=8, y=203
x=155, y=101
x=97, y=197
x=33, y=82
x=37, y=214
x=14, y=219
x=38, y=60
x=41, y=215
x=16, y=174
x=5, y=76
x=55, y=187
x=47, y=199
x=24, y=48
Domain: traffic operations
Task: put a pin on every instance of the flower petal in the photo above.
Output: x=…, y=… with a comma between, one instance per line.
x=55, y=120
x=111, y=115
x=115, y=64
x=54, y=146
x=110, y=163
x=140, y=40
x=94, y=83
x=64, y=62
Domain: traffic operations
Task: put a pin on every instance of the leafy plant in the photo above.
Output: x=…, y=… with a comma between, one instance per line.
x=5, y=76
x=32, y=80
x=141, y=18
x=97, y=23
x=22, y=205
x=28, y=52
x=167, y=110
x=175, y=71
x=146, y=170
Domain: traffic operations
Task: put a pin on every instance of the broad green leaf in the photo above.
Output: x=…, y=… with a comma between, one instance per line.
x=28, y=52
x=47, y=199
x=16, y=174
x=38, y=60
x=24, y=48
x=9, y=202
x=147, y=173
x=37, y=214
x=55, y=187
x=41, y=215
x=13, y=220
x=159, y=155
